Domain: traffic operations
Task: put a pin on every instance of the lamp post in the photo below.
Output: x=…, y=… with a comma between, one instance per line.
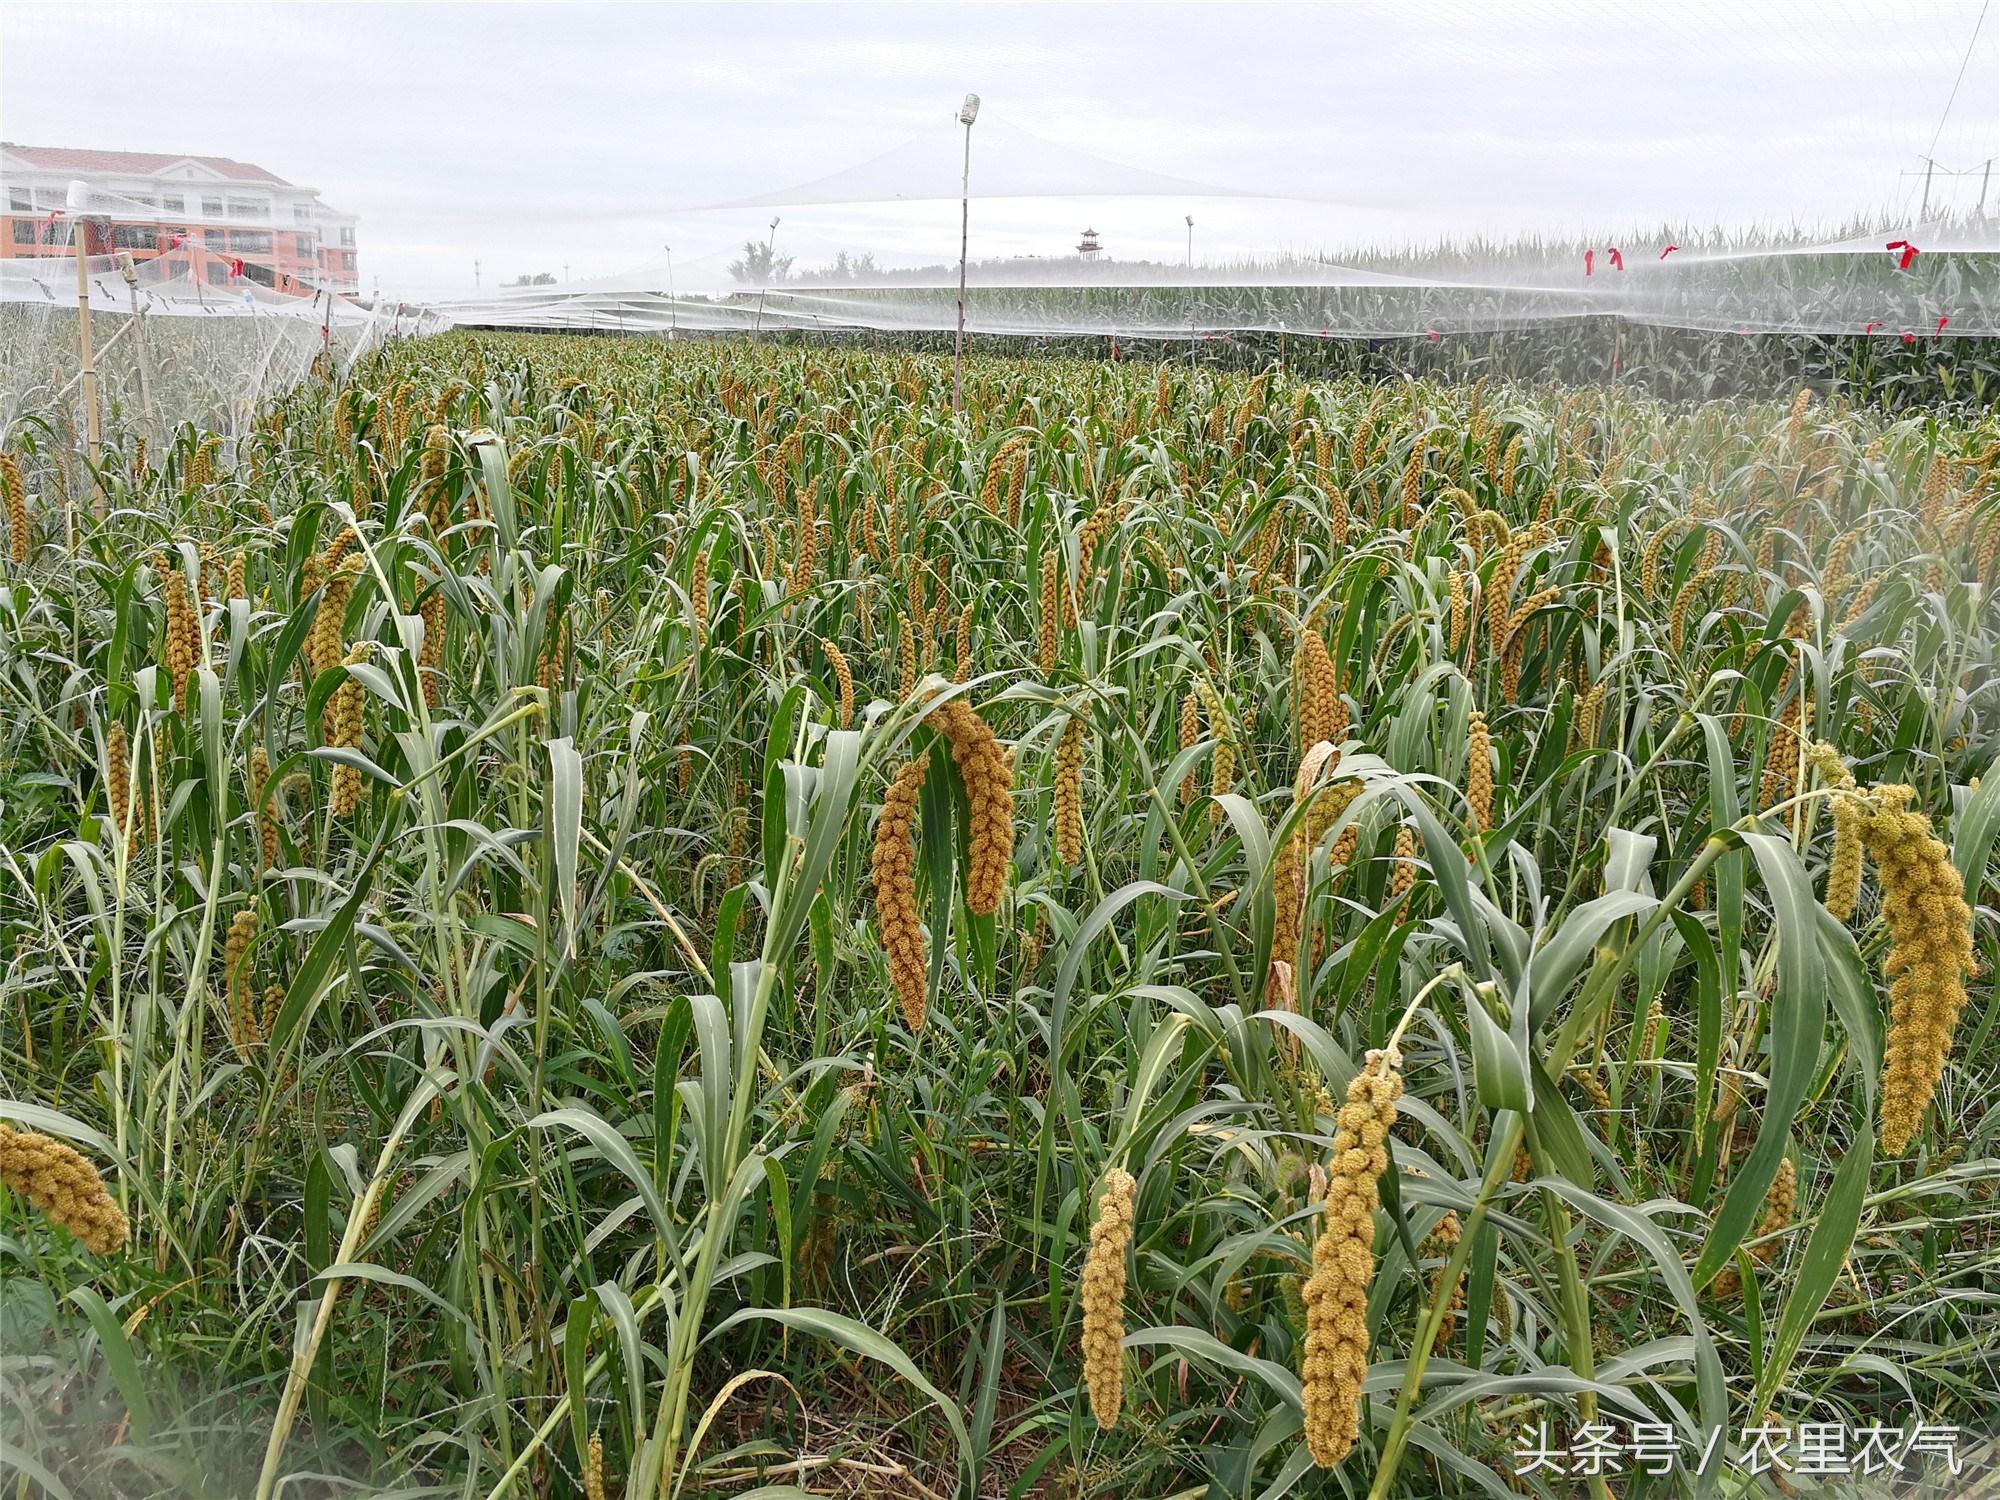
x=670, y=291
x=968, y=112
x=1190, y=289
x=770, y=269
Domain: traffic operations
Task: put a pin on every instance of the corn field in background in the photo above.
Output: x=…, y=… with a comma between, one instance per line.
x=600, y=917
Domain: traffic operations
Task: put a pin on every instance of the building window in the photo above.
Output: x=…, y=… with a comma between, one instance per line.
x=254, y=242
x=302, y=213
x=135, y=237
x=212, y=207
x=20, y=198
x=347, y=234
x=306, y=246
x=212, y=238
x=27, y=232
x=218, y=273
x=172, y=203
x=248, y=208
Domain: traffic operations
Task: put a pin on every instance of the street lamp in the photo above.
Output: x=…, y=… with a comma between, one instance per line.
x=770, y=269
x=1190, y=290
x=968, y=112
x=670, y=292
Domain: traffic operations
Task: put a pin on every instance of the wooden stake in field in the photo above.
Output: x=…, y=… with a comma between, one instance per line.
x=93, y=428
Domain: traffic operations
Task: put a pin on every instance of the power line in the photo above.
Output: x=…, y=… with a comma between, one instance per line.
x=1977, y=27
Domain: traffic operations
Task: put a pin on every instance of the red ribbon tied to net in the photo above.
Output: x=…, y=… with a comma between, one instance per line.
x=1870, y=329
x=1617, y=259
x=1941, y=322
x=235, y=268
x=1909, y=337
x=1433, y=334
x=1909, y=253
x=50, y=221
x=1589, y=256
x=175, y=241
x=1668, y=251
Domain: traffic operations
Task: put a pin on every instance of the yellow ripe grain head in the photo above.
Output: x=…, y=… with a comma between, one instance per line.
x=1318, y=684
x=1069, y=793
x=1335, y=1357
x=1930, y=955
x=986, y=770
x=1103, y=1297
x=893, y=868
x=56, y=1178
x=1479, y=772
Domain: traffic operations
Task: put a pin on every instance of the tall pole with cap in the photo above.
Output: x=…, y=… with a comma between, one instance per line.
x=968, y=112
x=93, y=421
x=770, y=270
x=672, y=321
x=1190, y=290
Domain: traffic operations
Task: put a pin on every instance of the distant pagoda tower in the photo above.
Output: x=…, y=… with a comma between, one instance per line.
x=1089, y=247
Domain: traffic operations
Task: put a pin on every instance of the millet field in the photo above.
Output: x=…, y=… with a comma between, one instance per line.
x=605, y=917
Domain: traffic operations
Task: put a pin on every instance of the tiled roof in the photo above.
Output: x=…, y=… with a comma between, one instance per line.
x=144, y=163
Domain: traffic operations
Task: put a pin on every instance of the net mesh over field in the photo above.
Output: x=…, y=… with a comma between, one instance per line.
x=185, y=336
x=1929, y=268
x=1861, y=284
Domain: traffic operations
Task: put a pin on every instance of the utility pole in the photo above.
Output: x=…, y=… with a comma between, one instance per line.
x=1929, y=167
x=770, y=270
x=671, y=311
x=968, y=112
x=475, y=273
x=1190, y=289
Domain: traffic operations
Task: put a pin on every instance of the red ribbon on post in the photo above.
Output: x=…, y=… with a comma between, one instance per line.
x=1668, y=251
x=1617, y=259
x=1589, y=256
x=235, y=268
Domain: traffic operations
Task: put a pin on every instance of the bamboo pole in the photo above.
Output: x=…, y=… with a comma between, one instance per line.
x=93, y=422
x=130, y=272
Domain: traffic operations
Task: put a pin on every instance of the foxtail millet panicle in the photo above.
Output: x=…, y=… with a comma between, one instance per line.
x=58, y=1180
x=14, y=493
x=1190, y=735
x=1069, y=792
x=1781, y=1202
x=256, y=779
x=1222, y=759
x=1336, y=1293
x=1051, y=616
x=843, y=676
x=345, y=715
x=1318, y=687
x=1479, y=772
x=245, y=1029
x=893, y=868
x=986, y=770
x=1930, y=955
x=1103, y=1297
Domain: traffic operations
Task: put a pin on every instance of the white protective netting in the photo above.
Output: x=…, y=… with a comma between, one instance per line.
x=186, y=336
x=1843, y=284
x=803, y=255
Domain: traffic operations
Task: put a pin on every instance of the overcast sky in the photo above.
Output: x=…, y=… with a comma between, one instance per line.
x=534, y=137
